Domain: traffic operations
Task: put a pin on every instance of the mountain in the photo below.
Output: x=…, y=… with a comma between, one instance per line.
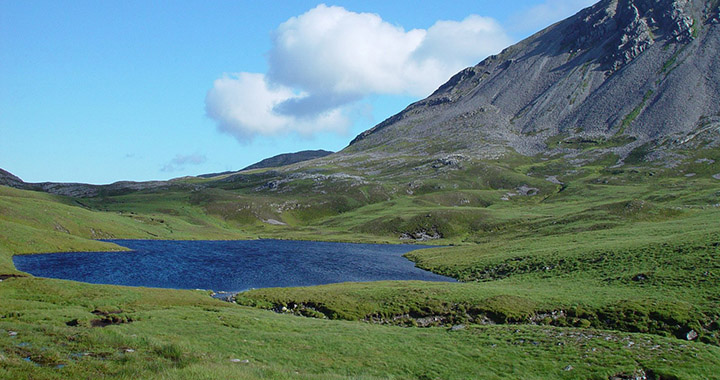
x=279, y=160
x=622, y=74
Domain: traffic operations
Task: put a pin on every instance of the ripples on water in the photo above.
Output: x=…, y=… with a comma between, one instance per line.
x=229, y=265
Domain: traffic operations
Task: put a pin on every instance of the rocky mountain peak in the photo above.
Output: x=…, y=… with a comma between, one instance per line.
x=625, y=28
x=622, y=72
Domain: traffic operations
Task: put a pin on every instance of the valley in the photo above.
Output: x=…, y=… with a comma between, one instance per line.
x=573, y=182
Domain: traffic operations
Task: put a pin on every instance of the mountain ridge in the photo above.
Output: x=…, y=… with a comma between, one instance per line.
x=645, y=70
x=278, y=160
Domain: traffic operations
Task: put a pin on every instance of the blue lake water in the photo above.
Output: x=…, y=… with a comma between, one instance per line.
x=229, y=265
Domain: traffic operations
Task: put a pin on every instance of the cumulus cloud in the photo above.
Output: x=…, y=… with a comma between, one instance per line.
x=182, y=160
x=329, y=49
x=547, y=13
x=328, y=58
x=244, y=105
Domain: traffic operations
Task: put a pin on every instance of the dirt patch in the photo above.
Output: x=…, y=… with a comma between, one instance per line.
x=4, y=277
x=108, y=318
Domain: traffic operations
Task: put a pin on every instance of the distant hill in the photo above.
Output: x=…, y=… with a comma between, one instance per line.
x=121, y=187
x=8, y=179
x=86, y=190
x=279, y=160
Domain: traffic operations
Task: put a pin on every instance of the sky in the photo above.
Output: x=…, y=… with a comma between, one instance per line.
x=103, y=91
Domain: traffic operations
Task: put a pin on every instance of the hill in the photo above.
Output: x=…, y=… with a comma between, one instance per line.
x=289, y=158
x=278, y=160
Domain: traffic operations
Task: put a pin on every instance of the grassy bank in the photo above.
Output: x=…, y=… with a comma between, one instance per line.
x=664, y=282
x=185, y=334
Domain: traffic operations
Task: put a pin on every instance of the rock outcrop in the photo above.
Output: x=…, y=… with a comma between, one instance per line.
x=8, y=179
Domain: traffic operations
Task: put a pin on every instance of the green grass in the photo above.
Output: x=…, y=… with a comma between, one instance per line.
x=629, y=118
x=606, y=273
x=38, y=222
x=185, y=334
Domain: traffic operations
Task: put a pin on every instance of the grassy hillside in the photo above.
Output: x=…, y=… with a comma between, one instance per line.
x=567, y=271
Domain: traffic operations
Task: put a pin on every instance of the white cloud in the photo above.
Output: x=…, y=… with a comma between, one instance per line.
x=243, y=105
x=332, y=50
x=544, y=14
x=455, y=45
x=327, y=58
x=182, y=160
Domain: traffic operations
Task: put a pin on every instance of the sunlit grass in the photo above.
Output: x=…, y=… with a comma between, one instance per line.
x=566, y=278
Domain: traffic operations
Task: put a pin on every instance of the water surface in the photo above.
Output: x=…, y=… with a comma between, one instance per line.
x=229, y=265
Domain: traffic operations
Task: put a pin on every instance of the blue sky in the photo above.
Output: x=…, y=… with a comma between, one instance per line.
x=98, y=92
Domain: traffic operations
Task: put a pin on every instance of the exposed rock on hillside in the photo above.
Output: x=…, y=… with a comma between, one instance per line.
x=621, y=73
x=636, y=78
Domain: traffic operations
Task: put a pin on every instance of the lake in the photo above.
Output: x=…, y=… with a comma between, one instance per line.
x=230, y=266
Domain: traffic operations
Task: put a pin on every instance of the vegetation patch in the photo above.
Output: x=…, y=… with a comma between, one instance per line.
x=629, y=118
x=107, y=318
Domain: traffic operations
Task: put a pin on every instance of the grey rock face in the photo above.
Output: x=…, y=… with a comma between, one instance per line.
x=643, y=70
x=421, y=235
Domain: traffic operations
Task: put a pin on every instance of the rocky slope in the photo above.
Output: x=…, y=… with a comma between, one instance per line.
x=8, y=179
x=622, y=73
